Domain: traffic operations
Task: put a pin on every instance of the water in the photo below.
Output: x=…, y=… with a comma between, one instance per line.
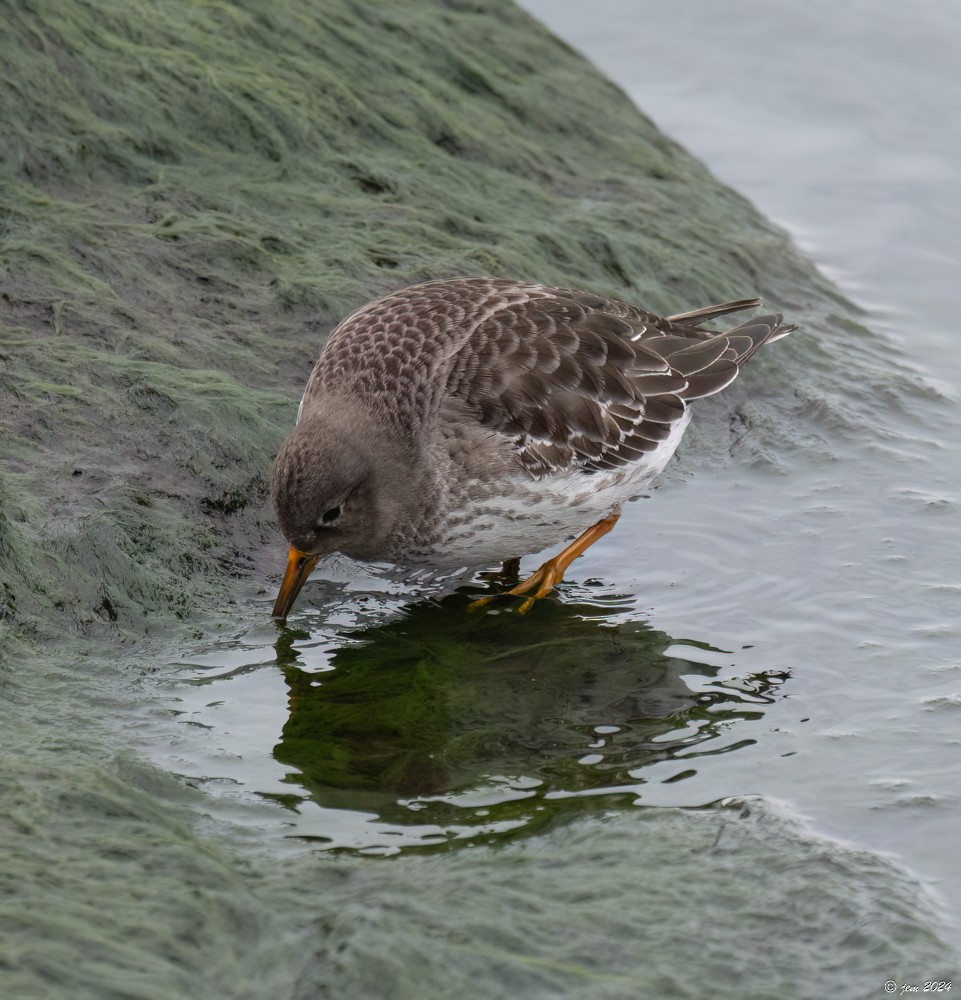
x=437, y=725
x=397, y=798
x=850, y=139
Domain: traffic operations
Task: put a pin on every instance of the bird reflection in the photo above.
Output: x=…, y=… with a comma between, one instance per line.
x=438, y=708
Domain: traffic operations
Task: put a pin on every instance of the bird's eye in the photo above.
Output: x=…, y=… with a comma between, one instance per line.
x=329, y=516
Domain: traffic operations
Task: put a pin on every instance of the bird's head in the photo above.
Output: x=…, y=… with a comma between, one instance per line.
x=333, y=490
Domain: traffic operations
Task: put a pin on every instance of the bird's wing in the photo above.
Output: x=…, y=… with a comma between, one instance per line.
x=577, y=382
x=571, y=380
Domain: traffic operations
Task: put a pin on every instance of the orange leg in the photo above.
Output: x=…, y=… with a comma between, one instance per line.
x=552, y=572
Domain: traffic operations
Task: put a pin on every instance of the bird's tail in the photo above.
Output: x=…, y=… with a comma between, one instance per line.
x=710, y=364
x=712, y=312
x=753, y=334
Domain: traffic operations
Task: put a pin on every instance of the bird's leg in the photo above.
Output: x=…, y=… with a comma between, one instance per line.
x=506, y=576
x=511, y=568
x=552, y=572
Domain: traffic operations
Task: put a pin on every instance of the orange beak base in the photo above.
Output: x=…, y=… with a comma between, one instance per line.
x=299, y=567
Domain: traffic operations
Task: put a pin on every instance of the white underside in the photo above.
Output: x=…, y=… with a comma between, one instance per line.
x=537, y=514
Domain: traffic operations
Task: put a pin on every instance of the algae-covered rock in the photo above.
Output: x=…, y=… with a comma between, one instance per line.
x=193, y=194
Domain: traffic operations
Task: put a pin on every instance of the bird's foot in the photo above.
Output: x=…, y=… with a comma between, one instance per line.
x=544, y=579
x=552, y=572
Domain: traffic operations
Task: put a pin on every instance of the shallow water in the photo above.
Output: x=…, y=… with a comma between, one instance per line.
x=771, y=636
x=437, y=725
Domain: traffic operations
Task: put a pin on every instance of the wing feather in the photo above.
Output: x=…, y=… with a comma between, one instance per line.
x=581, y=382
x=567, y=380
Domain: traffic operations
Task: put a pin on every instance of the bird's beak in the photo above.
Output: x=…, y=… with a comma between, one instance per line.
x=299, y=567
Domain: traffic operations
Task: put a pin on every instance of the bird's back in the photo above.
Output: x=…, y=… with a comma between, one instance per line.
x=568, y=380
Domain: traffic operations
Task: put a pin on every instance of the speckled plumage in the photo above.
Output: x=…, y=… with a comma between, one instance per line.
x=462, y=422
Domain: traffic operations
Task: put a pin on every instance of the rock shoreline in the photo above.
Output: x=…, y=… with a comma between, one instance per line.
x=195, y=194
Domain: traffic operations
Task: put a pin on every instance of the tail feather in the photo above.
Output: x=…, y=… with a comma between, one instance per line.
x=706, y=313
x=761, y=330
x=710, y=365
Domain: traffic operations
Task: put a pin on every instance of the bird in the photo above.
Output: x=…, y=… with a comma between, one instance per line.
x=469, y=421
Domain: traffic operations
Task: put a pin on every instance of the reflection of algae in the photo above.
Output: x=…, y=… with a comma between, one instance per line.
x=439, y=704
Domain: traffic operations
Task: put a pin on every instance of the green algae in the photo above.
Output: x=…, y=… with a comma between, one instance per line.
x=111, y=893
x=191, y=195
x=194, y=193
x=107, y=892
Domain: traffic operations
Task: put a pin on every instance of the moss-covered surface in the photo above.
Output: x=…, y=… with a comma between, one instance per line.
x=192, y=195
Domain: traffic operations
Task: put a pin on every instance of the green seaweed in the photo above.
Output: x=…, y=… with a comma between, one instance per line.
x=194, y=193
